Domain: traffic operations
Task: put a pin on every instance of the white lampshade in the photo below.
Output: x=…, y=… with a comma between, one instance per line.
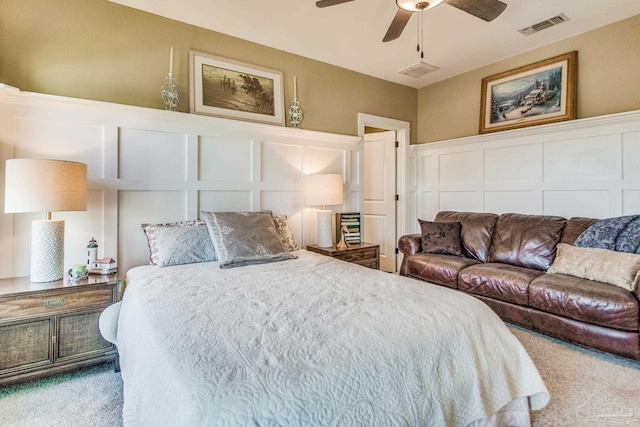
x=323, y=190
x=35, y=185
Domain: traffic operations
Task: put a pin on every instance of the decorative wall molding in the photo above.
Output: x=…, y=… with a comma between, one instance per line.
x=585, y=167
x=147, y=165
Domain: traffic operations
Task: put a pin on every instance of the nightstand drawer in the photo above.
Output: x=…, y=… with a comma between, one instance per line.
x=44, y=304
x=360, y=255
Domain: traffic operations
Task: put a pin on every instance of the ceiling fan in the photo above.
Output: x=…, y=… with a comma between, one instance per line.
x=487, y=10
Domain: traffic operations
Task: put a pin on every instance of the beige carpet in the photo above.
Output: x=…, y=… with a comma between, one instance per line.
x=587, y=389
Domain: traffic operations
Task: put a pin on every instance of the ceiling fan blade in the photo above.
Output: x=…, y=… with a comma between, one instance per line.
x=483, y=9
x=327, y=3
x=397, y=25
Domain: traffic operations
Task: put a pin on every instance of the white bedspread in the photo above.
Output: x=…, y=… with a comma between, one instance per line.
x=312, y=342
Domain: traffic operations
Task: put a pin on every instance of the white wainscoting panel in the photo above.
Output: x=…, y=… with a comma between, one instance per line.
x=217, y=200
x=324, y=160
x=587, y=167
x=223, y=159
x=596, y=158
x=155, y=166
x=452, y=173
x=514, y=164
x=44, y=139
x=281, y=162
x=503, y=201
x=631, y=156
x=630, y=202
x=151, y=155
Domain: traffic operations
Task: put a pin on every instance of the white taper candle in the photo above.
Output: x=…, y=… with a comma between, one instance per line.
x=171, y=61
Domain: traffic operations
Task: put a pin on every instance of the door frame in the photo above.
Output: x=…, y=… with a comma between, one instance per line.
x=402, y=129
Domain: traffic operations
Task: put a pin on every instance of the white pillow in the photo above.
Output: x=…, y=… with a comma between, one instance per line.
x=603, y=265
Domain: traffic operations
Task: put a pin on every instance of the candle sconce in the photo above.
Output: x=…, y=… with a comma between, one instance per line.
x=170, y=94
x=295, y=112
x=169, y=91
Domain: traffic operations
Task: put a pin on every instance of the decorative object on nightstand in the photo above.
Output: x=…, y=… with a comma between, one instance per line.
x=295, y=112
x=77, y=272
x=342, y=245
x=323, y=190
x=103, y=266
x=169, y=91
x=92, y=251
x=36, y=185
x=365, y=254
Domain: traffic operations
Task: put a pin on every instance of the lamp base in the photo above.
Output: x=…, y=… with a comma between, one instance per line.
x=47, y=250
x=323, y=231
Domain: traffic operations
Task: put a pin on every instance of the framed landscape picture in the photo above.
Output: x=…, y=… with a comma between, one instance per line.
x=227, y=88
x=539, y=93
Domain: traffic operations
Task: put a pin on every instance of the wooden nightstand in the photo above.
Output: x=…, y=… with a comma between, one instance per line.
x=46, y=328
x=365, y=254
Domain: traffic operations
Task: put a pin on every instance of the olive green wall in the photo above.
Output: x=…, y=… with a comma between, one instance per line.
x=95, y=49
x=608, y=81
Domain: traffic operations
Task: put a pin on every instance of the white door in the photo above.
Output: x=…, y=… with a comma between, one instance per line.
x=379, y=219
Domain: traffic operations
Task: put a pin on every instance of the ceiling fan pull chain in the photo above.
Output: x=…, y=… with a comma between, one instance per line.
x=421, y=33
x=418, y=36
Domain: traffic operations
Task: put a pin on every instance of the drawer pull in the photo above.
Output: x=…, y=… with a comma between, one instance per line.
x=54, y=302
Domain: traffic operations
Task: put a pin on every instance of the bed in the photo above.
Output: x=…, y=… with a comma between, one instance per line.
x=314, y=341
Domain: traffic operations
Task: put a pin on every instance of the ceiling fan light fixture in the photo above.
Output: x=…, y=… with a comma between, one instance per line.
x=417, y=6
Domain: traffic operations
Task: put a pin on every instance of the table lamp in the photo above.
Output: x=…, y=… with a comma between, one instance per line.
x=323, y=190
x=34, y=185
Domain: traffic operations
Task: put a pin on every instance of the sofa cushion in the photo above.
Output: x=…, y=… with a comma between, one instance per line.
x=526, y=240
x=437, y=268
x=503, y=282
x=441, y=237
x=615, y=268
x=476, y=232
x=585, y=301
x=574, y=227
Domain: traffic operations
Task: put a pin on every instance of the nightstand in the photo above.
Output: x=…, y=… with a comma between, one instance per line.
x=365, y=254
x=47, y=328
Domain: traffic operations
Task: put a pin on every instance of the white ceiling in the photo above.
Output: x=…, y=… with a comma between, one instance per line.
x=350, y=35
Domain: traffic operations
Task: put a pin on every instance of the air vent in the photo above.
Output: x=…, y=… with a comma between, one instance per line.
x=419, y=70
x=547, y=23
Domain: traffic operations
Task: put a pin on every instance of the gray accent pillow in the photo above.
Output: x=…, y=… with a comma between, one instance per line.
x=244, y=238
x=178, y=243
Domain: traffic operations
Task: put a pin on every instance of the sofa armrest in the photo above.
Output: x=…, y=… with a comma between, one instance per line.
x=410, y=244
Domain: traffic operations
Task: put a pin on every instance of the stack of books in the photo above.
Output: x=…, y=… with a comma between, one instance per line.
x=351, y=220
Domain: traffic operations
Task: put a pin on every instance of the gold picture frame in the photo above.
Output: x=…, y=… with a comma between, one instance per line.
x=539, y=93
x=232, y=89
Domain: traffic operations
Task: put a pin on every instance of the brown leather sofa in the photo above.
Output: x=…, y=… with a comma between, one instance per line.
x=504, y=263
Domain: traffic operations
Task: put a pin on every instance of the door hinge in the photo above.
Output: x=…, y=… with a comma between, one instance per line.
x=397, y=144
x=397, y=251
x=397, y=197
